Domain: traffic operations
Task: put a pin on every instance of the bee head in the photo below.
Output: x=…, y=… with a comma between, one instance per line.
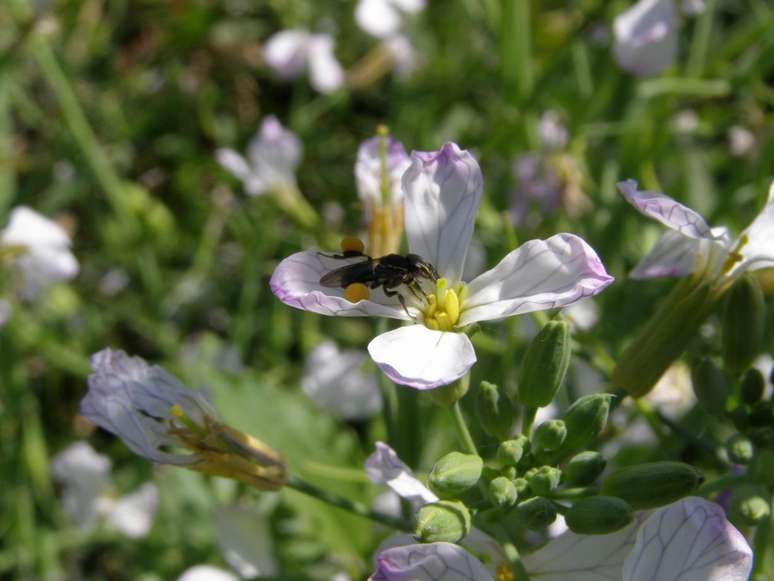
x=423, y=268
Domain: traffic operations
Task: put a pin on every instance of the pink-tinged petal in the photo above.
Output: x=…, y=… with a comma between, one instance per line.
x=442, y=195
x=646, y=37
x=539, y=275
x=368, y=170
x=666, y=210
x=429, y=562
x=422, y=358
x=758, y=252
x=673, y=255
x=286, y=52
x=384, y=467
x=275, y=150
x=378, y=18
x=296, y=282
x=325, y=72
x=689, y=540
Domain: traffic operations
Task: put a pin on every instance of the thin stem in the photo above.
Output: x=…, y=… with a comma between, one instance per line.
x=462, y=430
x=349, y=505
x=761, y=545
x=390, y=409
x=529, y=419
x=512, y=554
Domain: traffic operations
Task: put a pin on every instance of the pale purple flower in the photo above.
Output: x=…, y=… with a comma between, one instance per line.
x=428, y=562
x=272, y=158
x=291, y=52
x=368, y=171
x=552, y=132
x=382, y=18
x=404, y=58
x=442, y=193
x=690, y=246
x=646, y=37
x=384, y=467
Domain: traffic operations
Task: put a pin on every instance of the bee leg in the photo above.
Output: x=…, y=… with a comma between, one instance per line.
x=393, y=293
x=417, y=291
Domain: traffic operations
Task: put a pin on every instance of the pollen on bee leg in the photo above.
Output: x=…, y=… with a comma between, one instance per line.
x=352, y=244
x=355, y=292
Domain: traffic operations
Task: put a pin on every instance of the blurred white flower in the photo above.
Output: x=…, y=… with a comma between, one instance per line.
x=582, y=315
x=693, y=7
x=404, y=58
x=244, y=540
x=673, y=395
x=382, y=18
x=646, y=37
x=41, y=248
x=132, y=515
x=291, y=52
x=207, y=573
x=765, y=364
x=741, y=141
x=336, y=381
x=551, y=131
x=685, y=122
x=5, y=312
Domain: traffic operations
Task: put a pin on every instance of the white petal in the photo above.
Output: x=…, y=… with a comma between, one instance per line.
x=443, y=192
x=429, y=562
x=207, y=573
x=583, y=314
x=132, y=515
x=541, y=274
x=84, y=475
x=274, y=154
x=672, y=255
x=422, y=358
x=29, y=228
x=245, y=541
x=296, y=282
x=384, y=467
x=646, y=37
x=404, y=58
x=759, y=250
x=233, y=162
x=411, y=6
x=377, y=17
x=286, y=52
x=325, y=72
x=689, y=540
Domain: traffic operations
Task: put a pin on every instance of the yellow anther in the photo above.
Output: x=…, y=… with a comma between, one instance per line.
x=504, y=573
x=440, y=291
x=382, y=130
x=352, y=244
x=443, y=306
x=176, y=411
x=452, y=306
x=355, y=292
x=431, y=323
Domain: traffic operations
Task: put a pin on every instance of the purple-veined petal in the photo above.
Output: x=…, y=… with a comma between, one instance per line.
x=422, y=358
x=286, y=52
x=646, y=37
x=442, y=195
x=379, y=18
x=428, y=562
x=325, y=72
x=758, y=252
x=689, y=540
x=672, y=255
x=296, y=282
x=384, y=467
x=541, y=274
x=368, y=170
x=664, y=209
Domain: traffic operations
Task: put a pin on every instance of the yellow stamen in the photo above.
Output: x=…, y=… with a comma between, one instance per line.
x=735, y=255
x=440, y=291
x=504, y=573
x=443, y=308
x=176, y=411
x=352, y=244
x=355, y=292
x=452, y=305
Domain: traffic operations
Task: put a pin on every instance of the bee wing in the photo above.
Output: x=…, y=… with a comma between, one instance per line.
x=342, y=277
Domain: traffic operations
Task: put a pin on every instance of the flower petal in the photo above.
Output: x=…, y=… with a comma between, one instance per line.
x=428, y=562
x=541, y=274
x=384, y=467
x=233, y=162
x=286, y=52
x=325, y=72
x=422, y=358
x=673, y=255
x=443, y=192
x=26, y=227
x=377, y=17
x=84, y=475
x=646, y=37
x=759, y=250
x=245, y=541
x=689, y=540
x=296, y=282
x=132, y=515
x=274, y=153
x=207, y=573
x=368, y=169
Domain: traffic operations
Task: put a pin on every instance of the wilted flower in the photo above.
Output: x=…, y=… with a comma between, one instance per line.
x=290, y=52
x=381, y=18
x=646, y=37
x=442, y=193
x=39, y=249
x=152, y=412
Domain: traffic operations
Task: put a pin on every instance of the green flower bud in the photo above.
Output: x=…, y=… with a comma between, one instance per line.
x=653, y=484
x=761, y=469
x=455, y=473
x=585, y=419
x=753, y=386
x=762, y=413
x=510, y=452
x=750, y=503
x=510, y=472
x=743, y=322
x=710, y=386
x=496, y=411
x=549, y=435
x=522, y=486
x=598, y=515
x=583, y=468
x=740, y=417
x=740, y=449
x=503, y=492
x=545, y=365
x=534, y=513
x=444, y=521
x=544, y=479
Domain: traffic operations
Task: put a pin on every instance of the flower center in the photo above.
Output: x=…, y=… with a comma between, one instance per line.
x=443, y=306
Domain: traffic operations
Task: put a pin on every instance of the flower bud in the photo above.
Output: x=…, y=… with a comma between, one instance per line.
x=521, y=484
x=598, y=515
x=583, y=468
x=740, y=449
x=549, y=435
x=443, y=521
x=543, y=480
x=750, y=503
x=762, y=413
x=503, y=492
x=653, y=484
x=455, y=473
x=511, y=451
x=535, y=513
x=710, y=386
x=740, y=417
x=743, y=322
x=510, y=472
x=545, y=365
x=495, y=411
x=585, y=419
x=753, y=386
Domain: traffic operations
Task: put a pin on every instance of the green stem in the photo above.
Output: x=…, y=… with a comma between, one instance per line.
x=512, y=554
x=462, y=430
x=718, y=484
x=529, y=419
x=701, y=41
x=349, y=505
x=760, y=546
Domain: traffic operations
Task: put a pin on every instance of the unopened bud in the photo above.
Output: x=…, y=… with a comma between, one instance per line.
x=521, y=484
x=549, y=435
x=710, y=385
x=503, y=492
x=753, y=386
x=511, y=451
x=543, y=480
x=535, y=513
x=583, y=468
x=496, y=411
x=598, y=515
x=510, y=472
x=750, y=503
x=740, y=449
x=455, y=473
x=743, y=322
x=545, y=365
x=585, y=419
x=653, y=484
x=444, y=521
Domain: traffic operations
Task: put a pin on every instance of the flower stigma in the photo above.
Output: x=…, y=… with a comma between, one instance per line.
x=443, y=306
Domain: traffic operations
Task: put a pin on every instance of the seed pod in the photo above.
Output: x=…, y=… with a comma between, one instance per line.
x=710, y=386
x=495, y=410
x=543, y=480
x=454, y=473
x=511, y=451
x=743, y=321
x=444, y=521
x=549, y=435
x=750, y=503
x=585, y=419
x=535, y=513
x=583, y=468
x=740, y=449
x=503, y=492
x=598, y=515
x=653, y=484
x=545, y=365
x=753, y=386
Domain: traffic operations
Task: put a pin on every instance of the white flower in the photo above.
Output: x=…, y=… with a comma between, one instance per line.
x=368, y=170
x=381, y=18
x=245, y=541
x=43, y=249
x=583, y=314
x=336, y=381
x=207, y=573
x=646, y=37
x=132, y=514
x=551, y=130
x=693, y=7
x=404, y=58
x=741, y=140
x=290, y=52
x=273, y=155
x=442, y=192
